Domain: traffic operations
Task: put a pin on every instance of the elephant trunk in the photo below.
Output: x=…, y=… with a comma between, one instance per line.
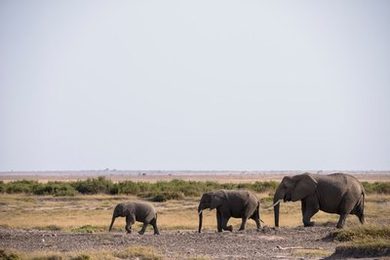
x=278, y=197
x=276, y=214
x=112, y=223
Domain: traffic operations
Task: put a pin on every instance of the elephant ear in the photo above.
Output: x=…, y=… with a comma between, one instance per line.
x=288, y=182
x=305, y=185
x=217, y=199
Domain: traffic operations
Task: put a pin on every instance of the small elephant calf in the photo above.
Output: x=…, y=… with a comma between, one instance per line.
x=136, y=211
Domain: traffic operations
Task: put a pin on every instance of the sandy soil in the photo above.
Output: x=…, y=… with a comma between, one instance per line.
x=250, y=244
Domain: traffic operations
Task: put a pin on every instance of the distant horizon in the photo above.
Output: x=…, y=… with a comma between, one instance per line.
x=178, y=171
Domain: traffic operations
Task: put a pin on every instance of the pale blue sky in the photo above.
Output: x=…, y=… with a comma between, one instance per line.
x=194, y=85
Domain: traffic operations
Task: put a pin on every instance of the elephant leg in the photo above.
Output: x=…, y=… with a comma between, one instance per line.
x=346, y=207
x=129, y=223
x=341, y=222
x=219, y=221
x=224, y=224
x=360, y=215
x=144, y=226
x=128, y=228
x=155, y=228
x=309, y=208
x=359, y=211
x=243, y=223
x=256, y=218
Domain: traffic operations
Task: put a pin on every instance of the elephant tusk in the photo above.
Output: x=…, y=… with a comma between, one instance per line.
x=200, y=211
x=276, y=203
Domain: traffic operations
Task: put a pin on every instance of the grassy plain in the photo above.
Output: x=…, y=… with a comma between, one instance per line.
x=92, y=213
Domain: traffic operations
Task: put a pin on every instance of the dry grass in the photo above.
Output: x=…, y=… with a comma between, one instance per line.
x=133, y=252
x=73, y=213
x=138, y=252
x=367, y=240
x=310, y=252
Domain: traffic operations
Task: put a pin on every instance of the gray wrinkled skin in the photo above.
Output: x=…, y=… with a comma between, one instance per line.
x=336, y=193
x=136, y=211
x=237, y=204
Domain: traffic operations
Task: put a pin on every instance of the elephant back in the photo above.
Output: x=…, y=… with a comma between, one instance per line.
x=239, y=200
x=144, y=211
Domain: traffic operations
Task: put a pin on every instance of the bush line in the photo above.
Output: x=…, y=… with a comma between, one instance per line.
x=159, y=191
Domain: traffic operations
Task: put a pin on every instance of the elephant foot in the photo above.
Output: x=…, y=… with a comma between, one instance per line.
x=339, y=226
x=308, y=224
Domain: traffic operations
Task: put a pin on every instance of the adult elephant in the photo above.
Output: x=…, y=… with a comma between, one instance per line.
x=237, y=204
x=335, y=193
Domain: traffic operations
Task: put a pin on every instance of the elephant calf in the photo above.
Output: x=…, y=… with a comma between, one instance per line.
x=136, y=211
x=237, y=204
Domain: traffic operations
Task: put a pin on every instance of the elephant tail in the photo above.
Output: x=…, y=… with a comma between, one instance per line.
x=361, y=218
x=258, y=211
x=359, y=208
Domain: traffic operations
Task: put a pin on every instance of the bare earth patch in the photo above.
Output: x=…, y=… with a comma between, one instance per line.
x=250, y=244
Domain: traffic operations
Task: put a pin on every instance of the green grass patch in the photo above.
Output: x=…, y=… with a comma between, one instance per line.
x=377, y=187
x=88, y=229
x=140, y=252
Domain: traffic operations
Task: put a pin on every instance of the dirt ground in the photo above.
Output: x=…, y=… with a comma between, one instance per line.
x=250, y=244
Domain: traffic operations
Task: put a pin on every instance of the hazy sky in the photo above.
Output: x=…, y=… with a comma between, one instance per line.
x=197, y=85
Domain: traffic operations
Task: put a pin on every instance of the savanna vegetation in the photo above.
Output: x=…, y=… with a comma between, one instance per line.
x=158, y=191
x=86, y=207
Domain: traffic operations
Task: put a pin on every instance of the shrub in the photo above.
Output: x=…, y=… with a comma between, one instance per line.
x=264, y=186
x=128, y=187
x=54, y=188
x=94, y=186
x=163, y=196
x=22, y=186
x=2, y=187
